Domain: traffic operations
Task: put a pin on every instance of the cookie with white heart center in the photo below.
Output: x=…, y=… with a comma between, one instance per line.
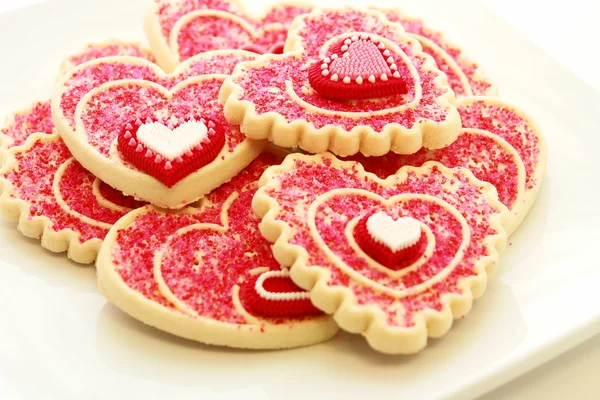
x=48, y=192
x=393, y=259
x=350, y=81
x=178, y=30
x=499, y=143
x=161, y=138
x=205, y=273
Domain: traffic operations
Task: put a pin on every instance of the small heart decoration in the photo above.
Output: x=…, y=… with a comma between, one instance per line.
x=172, y=143
x=170, y=153
x=272, y=294
x=393, y=243
x=358, y=68
x=394, y=234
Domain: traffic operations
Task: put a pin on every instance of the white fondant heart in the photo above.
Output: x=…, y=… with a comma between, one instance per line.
x=394, y=234
x=172, y=143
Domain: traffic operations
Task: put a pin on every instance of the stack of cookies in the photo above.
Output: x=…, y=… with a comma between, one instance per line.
x=261, y=183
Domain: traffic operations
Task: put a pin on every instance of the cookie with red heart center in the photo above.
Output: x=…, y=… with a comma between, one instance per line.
x=205, y=273
x=350, y=82
x=96, y=102
x=168, y=152
x=326, y=218
x=499, y=143
x=395, y=244
x=357, y=68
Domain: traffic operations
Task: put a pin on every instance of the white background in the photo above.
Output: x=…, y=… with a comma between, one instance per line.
x=571, y=34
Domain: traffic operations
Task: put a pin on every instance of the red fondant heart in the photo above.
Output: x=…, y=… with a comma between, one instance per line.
x=357, y=68
x=272, y=294
x=381, y=253
x=168, y=170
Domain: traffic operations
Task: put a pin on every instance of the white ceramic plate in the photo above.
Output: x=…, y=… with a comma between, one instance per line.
x=60, y=339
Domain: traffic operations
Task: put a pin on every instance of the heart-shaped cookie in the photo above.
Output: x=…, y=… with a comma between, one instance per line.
x=311, y=207
x=357, y=68
x=95, y=102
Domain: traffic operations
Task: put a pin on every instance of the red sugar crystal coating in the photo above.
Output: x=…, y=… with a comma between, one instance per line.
x=284, y=13
x=265, y=85
x=507, y=123
x=296, y=189
x=32, y=177
x=94, y=51
x=201, y=266
x=220, y=63
x=485, y=157
x=37, y=118
x=170, y=11
x=475, y=83
x=210, y=33
x=205, y=33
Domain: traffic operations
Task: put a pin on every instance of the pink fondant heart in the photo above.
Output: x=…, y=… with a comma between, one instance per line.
x=357, y=68
x=363, y=59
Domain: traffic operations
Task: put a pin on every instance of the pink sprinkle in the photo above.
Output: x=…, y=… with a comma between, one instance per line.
x=139, y=148
x=168, y=165
x=158, y=159
x=148, y=153
x=132, y=142
x=127, y=135
x=138, y=122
